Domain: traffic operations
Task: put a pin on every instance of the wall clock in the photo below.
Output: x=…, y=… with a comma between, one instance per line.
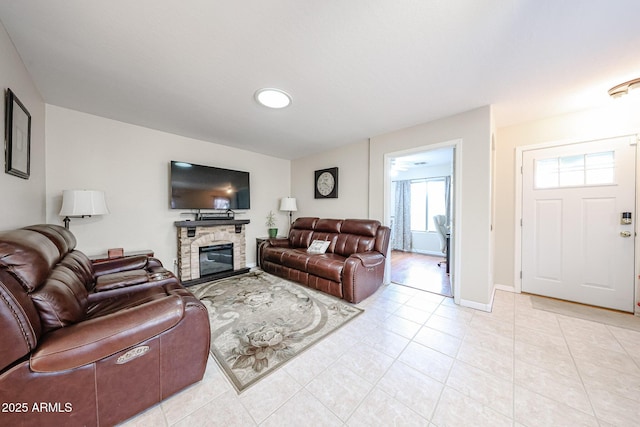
x=326, y=183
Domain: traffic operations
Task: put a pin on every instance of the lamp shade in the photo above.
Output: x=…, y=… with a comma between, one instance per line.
x=288, y=204
x=83, y=203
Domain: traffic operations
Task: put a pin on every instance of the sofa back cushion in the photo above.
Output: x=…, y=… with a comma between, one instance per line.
x=28, y=256
x=81, y=265
x=327, y=229
x=356, y=235
x=301, y=232
x=59, y=236
x=62, y=300
x=361, y=227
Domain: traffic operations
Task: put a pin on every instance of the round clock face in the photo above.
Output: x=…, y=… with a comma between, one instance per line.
x=325, y=183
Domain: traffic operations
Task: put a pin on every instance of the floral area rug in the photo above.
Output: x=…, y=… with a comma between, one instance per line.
x=260, y=321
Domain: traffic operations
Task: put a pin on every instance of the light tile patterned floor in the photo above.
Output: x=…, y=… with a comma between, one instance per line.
x=415, y=358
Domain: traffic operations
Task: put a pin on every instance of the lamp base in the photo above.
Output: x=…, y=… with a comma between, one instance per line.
x=66, y=221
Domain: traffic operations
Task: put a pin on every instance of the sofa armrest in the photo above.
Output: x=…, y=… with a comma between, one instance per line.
x=89, y=341
x=121, y=279
x=153, y=282
x=279, y=242
x=369, y=259
x=116, y=265
x=362, y=275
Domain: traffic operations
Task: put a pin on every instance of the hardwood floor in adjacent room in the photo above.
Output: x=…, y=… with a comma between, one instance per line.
x=420, y=271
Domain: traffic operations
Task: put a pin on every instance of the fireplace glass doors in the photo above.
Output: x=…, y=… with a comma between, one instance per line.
x=216, y=259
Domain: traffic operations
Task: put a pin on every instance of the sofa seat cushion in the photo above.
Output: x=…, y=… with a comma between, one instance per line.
x=296, y=259
x=121, y=280
x=328, y=266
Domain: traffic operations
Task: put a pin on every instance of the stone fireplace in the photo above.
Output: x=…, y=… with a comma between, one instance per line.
x=226, y=237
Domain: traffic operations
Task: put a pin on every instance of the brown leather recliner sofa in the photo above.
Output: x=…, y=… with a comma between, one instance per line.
x=88, y=345
x=352, y=268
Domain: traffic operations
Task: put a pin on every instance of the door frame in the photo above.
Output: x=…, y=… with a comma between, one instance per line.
x=454, y=247
x=517, y=277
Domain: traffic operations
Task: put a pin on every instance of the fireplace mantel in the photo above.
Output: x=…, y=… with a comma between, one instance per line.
x=211, y=222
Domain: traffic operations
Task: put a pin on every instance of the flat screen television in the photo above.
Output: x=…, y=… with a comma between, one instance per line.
x=207, y=187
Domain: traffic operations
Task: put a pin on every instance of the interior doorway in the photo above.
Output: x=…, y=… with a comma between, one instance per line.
x=420, y=210
x=419, y=271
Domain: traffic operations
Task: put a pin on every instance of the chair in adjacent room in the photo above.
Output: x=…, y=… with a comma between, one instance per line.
x=442, y=229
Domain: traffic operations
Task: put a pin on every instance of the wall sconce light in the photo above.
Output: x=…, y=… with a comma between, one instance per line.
x=624, y=88
x=81, y=203
x=289, y=204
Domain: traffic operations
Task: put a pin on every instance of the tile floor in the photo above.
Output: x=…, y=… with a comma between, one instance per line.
x=415, y=358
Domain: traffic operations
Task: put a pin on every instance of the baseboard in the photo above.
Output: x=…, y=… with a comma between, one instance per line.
x=432, y=253
x=476, y=305
x=505, y=288
x=487, y=307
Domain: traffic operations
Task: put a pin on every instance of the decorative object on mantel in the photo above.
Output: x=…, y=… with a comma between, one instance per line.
x=259, y=322
x=81, y=203
x=17, y=121
x=271, y=224
x=326, y=183
x=288, y=204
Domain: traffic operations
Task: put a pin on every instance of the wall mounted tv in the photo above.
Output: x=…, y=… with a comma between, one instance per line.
x=207, y=187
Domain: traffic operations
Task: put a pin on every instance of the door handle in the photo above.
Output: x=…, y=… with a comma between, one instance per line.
x=625, y=234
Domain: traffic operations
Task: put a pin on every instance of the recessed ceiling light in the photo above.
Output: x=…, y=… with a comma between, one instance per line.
x=272, y=98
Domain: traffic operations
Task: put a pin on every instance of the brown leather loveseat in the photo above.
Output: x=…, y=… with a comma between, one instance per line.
x=352, y=267
x=88, y=345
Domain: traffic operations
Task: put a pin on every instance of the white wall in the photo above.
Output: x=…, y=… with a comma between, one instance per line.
x=362, y=196
x=619, y=117
x=353, y=176
x=23, y=201
x=474, y=282
x=131, y=164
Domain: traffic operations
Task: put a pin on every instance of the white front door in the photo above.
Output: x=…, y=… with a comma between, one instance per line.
x=575, y=245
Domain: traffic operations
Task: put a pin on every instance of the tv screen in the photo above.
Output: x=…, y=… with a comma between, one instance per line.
x=206, y=187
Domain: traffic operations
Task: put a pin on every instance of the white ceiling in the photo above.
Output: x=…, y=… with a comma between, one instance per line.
x=428, y=158
x=355, y=68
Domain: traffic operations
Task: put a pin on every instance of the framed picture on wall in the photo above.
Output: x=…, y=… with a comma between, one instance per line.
x=17, y=137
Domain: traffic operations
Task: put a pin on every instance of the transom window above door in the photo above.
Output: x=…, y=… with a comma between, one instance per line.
x=575, y=171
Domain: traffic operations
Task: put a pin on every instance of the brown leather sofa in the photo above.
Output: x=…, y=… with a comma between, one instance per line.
x=352, y=268
x=89, y=345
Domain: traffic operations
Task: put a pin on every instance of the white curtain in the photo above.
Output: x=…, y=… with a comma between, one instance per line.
x=401, y=228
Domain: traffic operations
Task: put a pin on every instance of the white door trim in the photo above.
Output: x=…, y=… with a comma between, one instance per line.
x=517, y=279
